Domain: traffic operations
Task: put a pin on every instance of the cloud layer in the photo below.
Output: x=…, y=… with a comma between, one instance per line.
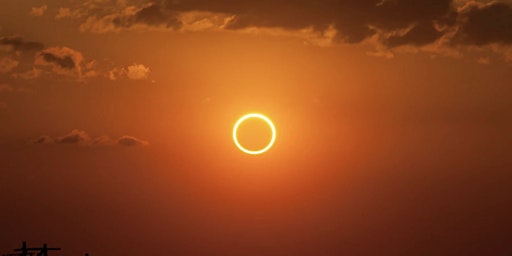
x=26, y=60
x=388, y=23
x=352, y=19
x=82, y=138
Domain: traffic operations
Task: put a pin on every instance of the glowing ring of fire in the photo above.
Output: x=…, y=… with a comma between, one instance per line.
x=259, y=116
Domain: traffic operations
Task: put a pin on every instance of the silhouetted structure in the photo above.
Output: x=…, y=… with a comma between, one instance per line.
x=30, y=251
x=33, y=251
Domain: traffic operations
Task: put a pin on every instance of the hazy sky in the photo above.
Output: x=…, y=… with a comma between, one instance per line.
x=394, y=123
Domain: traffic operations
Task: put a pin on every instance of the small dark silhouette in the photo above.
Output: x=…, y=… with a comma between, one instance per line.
x=30, y=251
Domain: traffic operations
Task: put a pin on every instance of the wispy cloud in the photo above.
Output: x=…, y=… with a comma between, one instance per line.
x=17, y=43
x=129, y=141
x=6, y=88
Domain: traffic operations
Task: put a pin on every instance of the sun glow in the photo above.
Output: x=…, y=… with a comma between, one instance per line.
x=258, y=116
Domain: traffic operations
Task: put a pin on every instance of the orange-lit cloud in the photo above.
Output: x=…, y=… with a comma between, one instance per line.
x=27, y=60
x=63, y=13
x=62, y=60
x=130, y=17
x=129, y=141
x=29, y=74
x=137, y=72
x=7, y=64
x=417, y=35
x=133, y=72
x=74, y=137
x=38, y=11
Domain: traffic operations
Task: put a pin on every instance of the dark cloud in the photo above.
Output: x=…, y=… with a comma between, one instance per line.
x=63, y=60
x=102, y=141
x=151, y=15
x=74, y=137
x=44, y=139
x=485, y=24
x=17, y=43
x=66, y=62
x=155, y=15
x=352, y=19
x=129, y=141
x=424, y=21
x=419, y=35
x=393, y=14
x=82, y=138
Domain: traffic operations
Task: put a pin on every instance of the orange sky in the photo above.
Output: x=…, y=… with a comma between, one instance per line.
x=393, y=121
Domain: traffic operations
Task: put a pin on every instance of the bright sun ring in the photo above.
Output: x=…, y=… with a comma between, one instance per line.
x=259, y=116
